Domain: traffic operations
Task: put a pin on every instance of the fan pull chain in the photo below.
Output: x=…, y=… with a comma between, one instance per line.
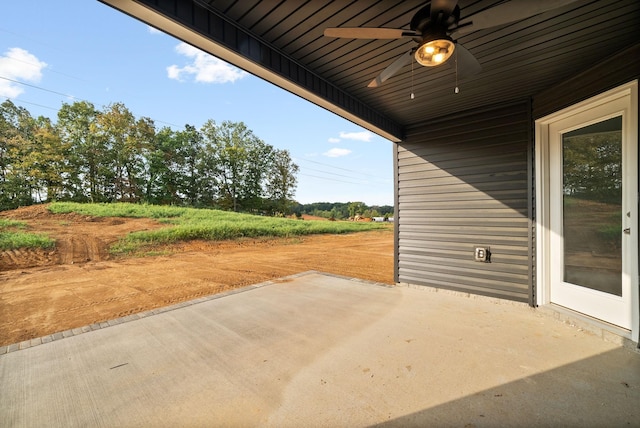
x=457, y=90
x=412, y=94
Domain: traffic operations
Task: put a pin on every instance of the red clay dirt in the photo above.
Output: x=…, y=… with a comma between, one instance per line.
x=78, y=283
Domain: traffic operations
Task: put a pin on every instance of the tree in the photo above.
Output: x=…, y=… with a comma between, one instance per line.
x=141, y=143
x=233, y=165
x=46, y=161
x=336, y=214
x=171, y=167
x=126, y=139
x=109, y=155
x=189, y=147
x=161, y=175
x=16, y=131
x=87, y=154
x=356, y=208
x=281, y=181
x=592, y=166
x=113, y=127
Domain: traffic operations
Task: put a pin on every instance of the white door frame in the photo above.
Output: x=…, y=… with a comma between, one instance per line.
x=543, y=203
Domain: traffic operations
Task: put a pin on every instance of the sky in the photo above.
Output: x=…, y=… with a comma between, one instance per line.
x=55, y=52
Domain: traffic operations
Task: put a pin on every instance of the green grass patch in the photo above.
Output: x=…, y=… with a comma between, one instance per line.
x=15, y=240
x=185, y=224
x=118, y=209
x=6, y=223
x=12, y=236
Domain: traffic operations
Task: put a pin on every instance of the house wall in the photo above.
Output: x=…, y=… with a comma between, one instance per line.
x=466, y=181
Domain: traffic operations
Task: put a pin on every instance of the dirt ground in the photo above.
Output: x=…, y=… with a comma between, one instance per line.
x=78, y=283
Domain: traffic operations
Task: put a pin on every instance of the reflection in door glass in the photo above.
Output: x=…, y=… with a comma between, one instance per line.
x=592, y=206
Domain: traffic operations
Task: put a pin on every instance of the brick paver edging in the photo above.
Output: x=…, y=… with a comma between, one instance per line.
x=133, y=317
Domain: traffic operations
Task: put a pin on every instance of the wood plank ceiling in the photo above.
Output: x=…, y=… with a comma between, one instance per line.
x=519, y=59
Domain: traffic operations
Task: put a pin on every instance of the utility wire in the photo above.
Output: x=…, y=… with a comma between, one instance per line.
x=336, y=167
x=327, y=172
x=42, y=89
x=48, y=69
x=333, y=179
x=28, y=102
x=4, y=30
x=171, y=124
x=306, y=175
x=64, y=95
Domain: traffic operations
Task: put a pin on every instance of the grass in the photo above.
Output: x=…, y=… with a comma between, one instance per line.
x=611, y=234
x=118, y=210
x=13, y=237
x=185, y=224
x=6, y=223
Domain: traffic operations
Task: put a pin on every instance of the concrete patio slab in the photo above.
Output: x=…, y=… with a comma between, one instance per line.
x=319, y=350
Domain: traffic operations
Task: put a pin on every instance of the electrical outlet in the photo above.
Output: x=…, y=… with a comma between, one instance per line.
x=482, y=254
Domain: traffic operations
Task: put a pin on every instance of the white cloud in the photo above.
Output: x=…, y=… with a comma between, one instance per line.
x=203, y=67
x=336, y=153
x=334, y=140
x=359, y=136
x=153, y=30
x=18, y=64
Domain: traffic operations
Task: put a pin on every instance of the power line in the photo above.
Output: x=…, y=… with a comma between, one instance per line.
x=64, y=95
x=42, y=89
x=306, y=175
x=32, y=39
x=327, y=172
x=333, y=179
x=337, y=167
x=48, y=69
x=28, y=102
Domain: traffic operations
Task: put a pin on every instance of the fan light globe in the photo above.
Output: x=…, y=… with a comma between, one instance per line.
x=434, y=52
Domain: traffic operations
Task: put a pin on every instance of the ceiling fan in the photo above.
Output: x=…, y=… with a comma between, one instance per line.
x=433, y=26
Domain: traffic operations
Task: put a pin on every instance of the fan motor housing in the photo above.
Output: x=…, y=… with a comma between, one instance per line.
x=423, y=18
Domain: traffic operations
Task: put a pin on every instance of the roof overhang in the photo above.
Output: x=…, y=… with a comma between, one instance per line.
x=283, y=42
x=252, y=61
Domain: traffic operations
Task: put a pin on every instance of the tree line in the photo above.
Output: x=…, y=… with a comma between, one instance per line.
x=109, y=155
x=343, y=210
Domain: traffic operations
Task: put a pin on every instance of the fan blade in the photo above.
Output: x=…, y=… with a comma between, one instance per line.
x=504, y=13
x=468, y=65
x=368, y=33
x=391, y=70
x=445, y=6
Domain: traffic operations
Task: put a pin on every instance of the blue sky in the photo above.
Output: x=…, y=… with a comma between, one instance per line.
x=71, y=50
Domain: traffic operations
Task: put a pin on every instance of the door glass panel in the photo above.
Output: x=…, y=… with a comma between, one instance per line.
x=592, y=206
